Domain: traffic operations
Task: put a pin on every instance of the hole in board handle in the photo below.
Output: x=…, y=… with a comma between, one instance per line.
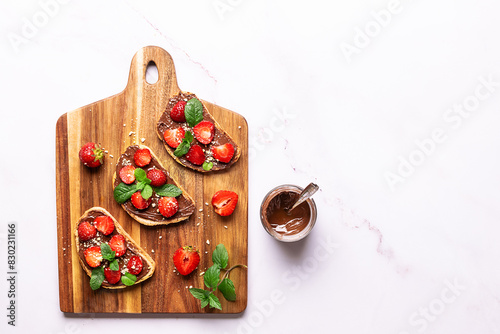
x=151, y=73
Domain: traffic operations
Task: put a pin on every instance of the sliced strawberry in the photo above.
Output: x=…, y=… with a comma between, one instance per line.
x=224, y=202
x=112, y=276
x=157, y=177
x=177, y=113
x=117, y=243
x=223, y=153
x=127, y=174
x=134, y=265
x=186, y=259
x=91, y=155
x=86, y=231
x=204, y=132
x=168, y=206
x=139, y=202
x=196, y=155
x=93, y=256
x=173, y=137
x=142, y=157
x=104, y=224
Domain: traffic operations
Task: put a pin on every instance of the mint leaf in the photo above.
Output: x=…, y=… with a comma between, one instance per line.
x=208, y=165
x=106, y=252
x=168, y=190
x=140, y=174
x=204, y=302
x=123, y=192
x=199, y=293
x=114, y=265
x=184, y=146
x=211, y=276
x=214, y=301
x=97, y=278
x=228, y=290
x=147, y=192
x=128, y=279
x=220, y=256
x=193, y=112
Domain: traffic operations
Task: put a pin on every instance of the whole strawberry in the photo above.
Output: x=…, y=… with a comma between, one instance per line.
x=91, y=155
x=186, y=259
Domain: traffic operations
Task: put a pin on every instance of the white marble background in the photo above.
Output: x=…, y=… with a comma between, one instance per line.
x=392, y=107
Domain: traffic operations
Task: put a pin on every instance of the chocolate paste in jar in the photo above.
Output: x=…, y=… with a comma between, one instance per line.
x=287, y=223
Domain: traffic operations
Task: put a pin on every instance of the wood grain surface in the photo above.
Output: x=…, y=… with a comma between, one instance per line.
x=115, y=123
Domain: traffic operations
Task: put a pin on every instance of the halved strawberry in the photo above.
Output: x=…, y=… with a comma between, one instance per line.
x=91, y=155
x=134, y=265
x=204, y=132
x=142, y=157
x=117, y=243
x=173, y=137
x=127, y=174
x=157, y=177
x=168, y=206
x=139, y=202
x=223, y=153
x=112, y=276
x=196, y=155
x=186, y=259
x=224, y=202
x=177, y=113
x=93, y=256
x=86, y=231
x=104, y=224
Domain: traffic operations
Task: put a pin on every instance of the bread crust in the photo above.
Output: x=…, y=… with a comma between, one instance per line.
x=145, y=256
x=150, y=222
x=237, y=150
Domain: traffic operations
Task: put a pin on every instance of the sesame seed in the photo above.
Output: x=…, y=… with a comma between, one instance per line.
x=110, y=155
x=143, y=140
x=208, y=242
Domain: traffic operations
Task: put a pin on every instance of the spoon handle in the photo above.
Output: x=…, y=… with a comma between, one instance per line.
x=305, y=194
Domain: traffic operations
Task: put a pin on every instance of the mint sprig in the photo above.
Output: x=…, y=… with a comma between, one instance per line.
x=123, y=192
x=212, y=280
x=97, y=278
x=208, y=165
x=185, y=145
x=128, y=279
x=193, y=112
x=106, y=252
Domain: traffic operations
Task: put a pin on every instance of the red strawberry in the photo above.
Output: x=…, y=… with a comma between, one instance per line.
x=91, y=155
x=139, y=202
x=168, y=206
x=204, y=132
x=224, y=202
x=134, y=265
x=186, y=259
x=157, y=177
x=93, y=256
x=223, y=153
x=127, y=174
x=177, y=113
x=112, y=276
x=196, y=155
x=86, y=231
x=173, y=137
x=104, y=224
x=142, y=157
x=117, y=243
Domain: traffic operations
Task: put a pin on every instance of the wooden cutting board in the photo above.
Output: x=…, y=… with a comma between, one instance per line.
x=117, y=122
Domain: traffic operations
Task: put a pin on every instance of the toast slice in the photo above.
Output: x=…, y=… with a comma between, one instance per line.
x=151, y=215
x=132, y=249
x=220, y=138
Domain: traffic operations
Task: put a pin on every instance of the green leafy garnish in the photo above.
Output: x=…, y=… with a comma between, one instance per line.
x=147, y=192
x=140, y=174
x=184, y=146
x=97, y=278
x=114, y=265
x=128, y=279
x=193, y=112
x=212, y=280
x=168, y=190
x=123, y=192
x=208, y=165
x=106, y=252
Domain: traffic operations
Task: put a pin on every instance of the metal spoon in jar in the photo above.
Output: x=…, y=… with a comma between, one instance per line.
x=304, y=195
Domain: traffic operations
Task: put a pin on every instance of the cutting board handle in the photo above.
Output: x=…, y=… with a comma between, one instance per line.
x=163, y=61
